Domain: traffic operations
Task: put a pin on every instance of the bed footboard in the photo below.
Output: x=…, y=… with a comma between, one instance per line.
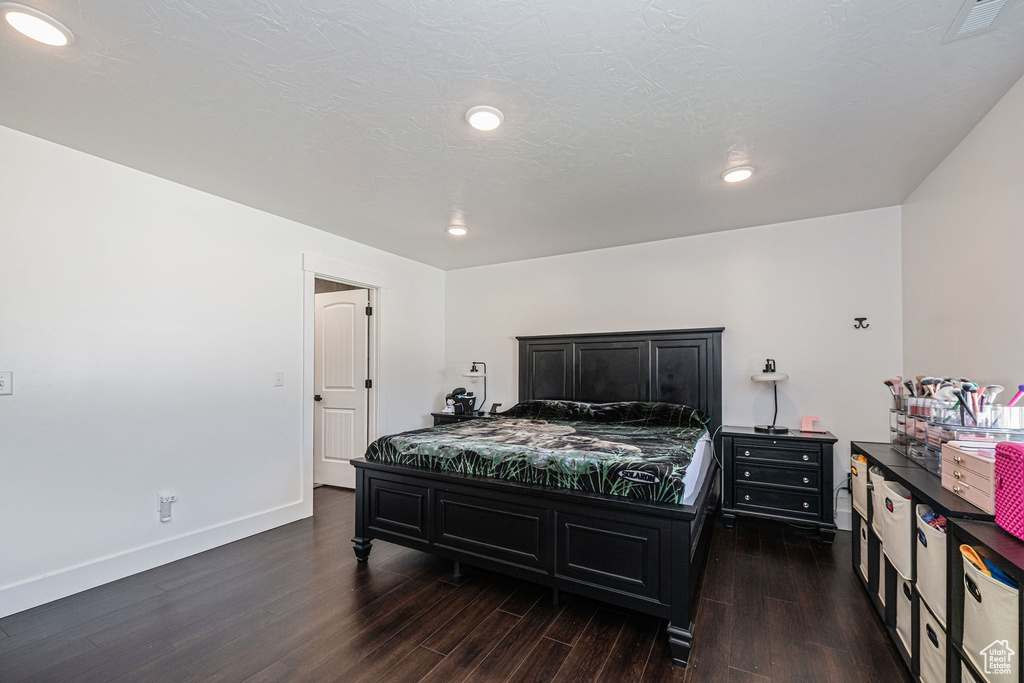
x=637, y=555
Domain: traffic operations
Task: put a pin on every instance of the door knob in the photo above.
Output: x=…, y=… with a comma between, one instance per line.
x=317, y=397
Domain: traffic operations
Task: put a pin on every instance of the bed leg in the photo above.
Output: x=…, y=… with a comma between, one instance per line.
x=457, y=570
x=362, y=547
x=554, y=597
x=361, y=543
x=679, y=642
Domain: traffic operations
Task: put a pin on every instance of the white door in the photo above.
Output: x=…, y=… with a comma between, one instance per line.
x=340, y=371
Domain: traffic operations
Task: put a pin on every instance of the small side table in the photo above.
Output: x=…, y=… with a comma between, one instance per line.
x=786, y=477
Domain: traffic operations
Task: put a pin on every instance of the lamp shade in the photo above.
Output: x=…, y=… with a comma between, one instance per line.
x=769, y=377
x=474, y=373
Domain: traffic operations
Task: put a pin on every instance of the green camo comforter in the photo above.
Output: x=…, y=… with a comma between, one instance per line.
x=636, y=450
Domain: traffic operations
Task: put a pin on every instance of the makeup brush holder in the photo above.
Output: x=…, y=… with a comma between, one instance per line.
x=924, y=456
x=898, y=441
x=994, y=417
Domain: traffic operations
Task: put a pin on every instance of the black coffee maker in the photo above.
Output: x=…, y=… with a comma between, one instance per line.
x=462, y=401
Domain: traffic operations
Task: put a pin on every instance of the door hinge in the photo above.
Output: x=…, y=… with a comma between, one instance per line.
x=369, y=310
x=369, y=384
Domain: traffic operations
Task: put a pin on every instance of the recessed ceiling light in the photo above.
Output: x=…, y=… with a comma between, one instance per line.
x=484, y=117
x=36, y=25
x=457, y=230
x=738, y=174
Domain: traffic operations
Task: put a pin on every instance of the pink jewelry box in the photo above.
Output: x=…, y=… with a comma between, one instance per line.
x=968, y=473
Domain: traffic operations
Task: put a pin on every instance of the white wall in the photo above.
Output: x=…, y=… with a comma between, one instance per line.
x=787, y=291
x=141, y=365
x=963, y=249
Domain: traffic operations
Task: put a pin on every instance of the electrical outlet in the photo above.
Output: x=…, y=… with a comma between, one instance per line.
x=278, y=379
x=166, y=498
x=6, y=383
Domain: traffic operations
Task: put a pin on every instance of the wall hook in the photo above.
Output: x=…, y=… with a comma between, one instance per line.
x=861, y=325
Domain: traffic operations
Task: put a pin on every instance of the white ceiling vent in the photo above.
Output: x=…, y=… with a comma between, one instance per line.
x=976, y=16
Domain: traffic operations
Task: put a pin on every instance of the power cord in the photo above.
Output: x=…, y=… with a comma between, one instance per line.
x=713, y=453
x=845, y=484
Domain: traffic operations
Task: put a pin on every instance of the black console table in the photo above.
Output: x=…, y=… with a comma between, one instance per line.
x=925, y=488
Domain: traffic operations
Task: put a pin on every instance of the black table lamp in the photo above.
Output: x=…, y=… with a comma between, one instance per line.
x=770, y=375
x=474, y=373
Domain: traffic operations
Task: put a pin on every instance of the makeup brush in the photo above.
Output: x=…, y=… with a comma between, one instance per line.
x=946, y=392
x=989, y=393
x=971, y=389
x=965, y=405
x=909, y=384
x=894, y=385
x=1017, y=397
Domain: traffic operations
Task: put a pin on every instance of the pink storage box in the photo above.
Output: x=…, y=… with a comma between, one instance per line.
x=1009, y=487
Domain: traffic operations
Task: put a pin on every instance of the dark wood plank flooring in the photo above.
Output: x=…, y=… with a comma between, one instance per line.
x=291, y=604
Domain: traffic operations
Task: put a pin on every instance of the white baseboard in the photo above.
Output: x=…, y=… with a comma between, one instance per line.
x=40, y=590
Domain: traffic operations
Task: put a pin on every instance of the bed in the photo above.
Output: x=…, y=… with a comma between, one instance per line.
x=601, y=482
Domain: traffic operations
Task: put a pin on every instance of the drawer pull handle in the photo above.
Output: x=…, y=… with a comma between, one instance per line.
x=958, y=490
x=807, y=457
x=806, y=480
x=957, y=459
x=746, y=497
x=746, y=452
x=958, y=474
x=807, y=505
x=746, y=473
x=931, y=635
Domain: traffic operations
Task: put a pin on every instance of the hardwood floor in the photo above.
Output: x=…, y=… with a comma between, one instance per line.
x=291, y=604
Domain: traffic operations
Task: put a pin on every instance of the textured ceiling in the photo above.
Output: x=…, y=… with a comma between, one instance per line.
x=620, y=115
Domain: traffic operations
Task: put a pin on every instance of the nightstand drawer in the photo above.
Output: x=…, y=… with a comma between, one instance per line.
x=800, y=478
x=774, y=500
x=796, y=454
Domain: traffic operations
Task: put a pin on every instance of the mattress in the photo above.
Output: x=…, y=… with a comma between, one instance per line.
x=646, y=451
x=697, y=471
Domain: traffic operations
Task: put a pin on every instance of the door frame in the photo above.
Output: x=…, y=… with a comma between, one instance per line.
x=314, y=267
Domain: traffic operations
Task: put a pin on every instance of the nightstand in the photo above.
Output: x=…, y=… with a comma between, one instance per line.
x=448, y=418
x=786, y=477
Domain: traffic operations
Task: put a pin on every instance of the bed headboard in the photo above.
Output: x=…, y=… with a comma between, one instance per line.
x=675, y=366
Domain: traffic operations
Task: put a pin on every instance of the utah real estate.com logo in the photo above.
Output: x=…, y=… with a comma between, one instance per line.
x=998, y=658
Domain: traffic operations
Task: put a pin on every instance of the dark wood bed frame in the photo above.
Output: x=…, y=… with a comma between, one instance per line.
x=635, y=554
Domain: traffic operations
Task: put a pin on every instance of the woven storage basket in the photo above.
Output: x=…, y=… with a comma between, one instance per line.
x=1009, y=487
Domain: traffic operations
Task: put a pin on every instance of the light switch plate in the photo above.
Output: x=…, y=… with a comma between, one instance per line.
x=6, y=383
x=278, y=379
